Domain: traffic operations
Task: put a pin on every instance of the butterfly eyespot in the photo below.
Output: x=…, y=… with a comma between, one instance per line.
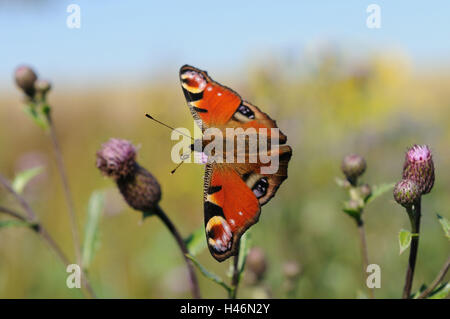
x=245, y=110
x=219, y=234
x=193, y=81
x=260, y=188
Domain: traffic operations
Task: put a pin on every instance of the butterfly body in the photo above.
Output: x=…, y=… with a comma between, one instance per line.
x=236, y=184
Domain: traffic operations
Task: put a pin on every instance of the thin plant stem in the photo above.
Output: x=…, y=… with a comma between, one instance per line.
x=30, y=213
x=193, y=282
x=12, y=213
x=66, y=188
x=414, y=214
x=39, y=228
x=364, y=252
x=235, y=277
x=437, y=280
x=67, y=194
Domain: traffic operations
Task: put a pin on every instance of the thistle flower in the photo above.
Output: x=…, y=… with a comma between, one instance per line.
x=419, y=167
x=353, y=166
x=117, y=158
x=140, y=189
x=406, y=192
x=25, y=78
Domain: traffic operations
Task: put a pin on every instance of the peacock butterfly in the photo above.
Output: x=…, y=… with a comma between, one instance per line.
x=233, y=192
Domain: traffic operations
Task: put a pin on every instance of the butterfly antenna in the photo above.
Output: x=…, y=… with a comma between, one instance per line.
x=173, y=171
x=168, y=126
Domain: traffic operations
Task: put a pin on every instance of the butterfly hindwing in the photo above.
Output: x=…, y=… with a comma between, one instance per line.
x=230, y=208
x=264, y=186
x=234, y=192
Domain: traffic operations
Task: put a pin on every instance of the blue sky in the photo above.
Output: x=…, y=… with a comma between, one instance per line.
x=134, y=38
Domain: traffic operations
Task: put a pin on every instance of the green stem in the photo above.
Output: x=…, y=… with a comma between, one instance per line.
x=414, y=217
x=235, y=278
x=69, y=201
x=39, y=229
x=193, y=282
x=436, y=281
x=66, y=188
x=364, y=252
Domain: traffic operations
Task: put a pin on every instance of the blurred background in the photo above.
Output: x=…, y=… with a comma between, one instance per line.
x=333, y=85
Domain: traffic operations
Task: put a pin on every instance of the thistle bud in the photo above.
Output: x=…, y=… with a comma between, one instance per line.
x=406, y=193
x=140, y=189
x=256, y=263
x=42, y=86
x=25, y=78
x=419, y=167
x=353, y=166
x=365, y=191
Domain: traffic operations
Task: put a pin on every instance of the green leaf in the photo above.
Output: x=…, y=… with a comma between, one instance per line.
x=211, y=276
x=94, y=212
x=418, y=292
x=22, y=179
x=404, y=239
x=379, y=190
x=352, y=213
x=14, y=223
x=445, y=225
x=243, y=251
x=196, y=242
x=440, y=292
x=34, y=111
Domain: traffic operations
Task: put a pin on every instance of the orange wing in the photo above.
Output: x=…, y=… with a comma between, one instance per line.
x=211, y=104
x=234, y=192
x=230, y=208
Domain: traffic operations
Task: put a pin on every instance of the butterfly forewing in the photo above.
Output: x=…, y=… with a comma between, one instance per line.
x=233, y=192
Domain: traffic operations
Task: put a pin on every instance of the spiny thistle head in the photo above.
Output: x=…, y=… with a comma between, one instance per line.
x=25, y=78
x=419, y=167
x=406, y=192
x=117, y=158
x=353, y=166
x=140, y=189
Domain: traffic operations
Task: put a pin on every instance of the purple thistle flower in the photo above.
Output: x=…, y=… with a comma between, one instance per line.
x=117, y=158
x=140, y=189
x=419, y=167
x=406, y=193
